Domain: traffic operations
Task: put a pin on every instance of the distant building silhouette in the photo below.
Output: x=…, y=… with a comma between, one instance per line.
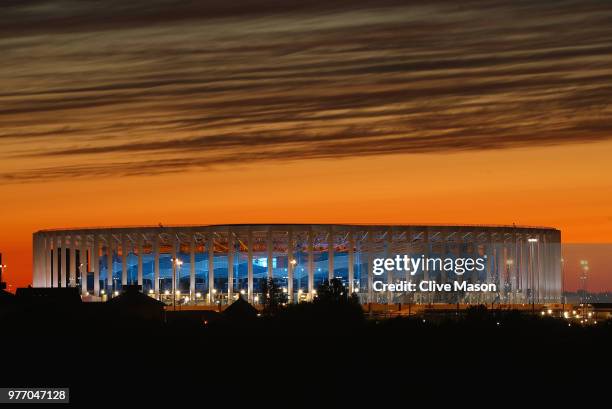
x=240, y=310
x=131, y=303
x=7, y=299
x=67, y=297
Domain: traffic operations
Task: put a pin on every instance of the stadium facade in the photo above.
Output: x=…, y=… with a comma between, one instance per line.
x=205, y=265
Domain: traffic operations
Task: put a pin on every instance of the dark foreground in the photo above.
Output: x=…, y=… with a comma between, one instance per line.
x=302, y=358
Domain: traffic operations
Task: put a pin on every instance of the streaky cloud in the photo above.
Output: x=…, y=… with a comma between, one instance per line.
x=162, y=86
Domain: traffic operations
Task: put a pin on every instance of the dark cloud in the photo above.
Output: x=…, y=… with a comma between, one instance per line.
x=57, y=16
x=94, y=88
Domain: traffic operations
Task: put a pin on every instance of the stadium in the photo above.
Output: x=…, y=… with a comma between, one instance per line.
x=215, y=264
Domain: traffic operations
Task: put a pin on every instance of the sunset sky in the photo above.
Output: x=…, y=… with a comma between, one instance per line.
x=255, y=111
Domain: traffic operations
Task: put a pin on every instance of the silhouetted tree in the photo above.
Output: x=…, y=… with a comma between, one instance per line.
x=334, y=292
x=477, y=314
x=273, y=296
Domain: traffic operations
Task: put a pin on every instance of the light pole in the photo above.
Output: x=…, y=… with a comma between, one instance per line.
x=292, y=265
x=2, y=267
x=583, y=280
x=175, y=262
x=563, y=283
x=508, y=281
x=532, y=241
x=80, y=282
x=213, y=296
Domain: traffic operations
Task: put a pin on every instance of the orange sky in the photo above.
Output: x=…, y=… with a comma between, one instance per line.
x=567, y=187
x=354, y=111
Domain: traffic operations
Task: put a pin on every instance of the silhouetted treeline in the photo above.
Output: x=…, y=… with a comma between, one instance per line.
x=327, y=350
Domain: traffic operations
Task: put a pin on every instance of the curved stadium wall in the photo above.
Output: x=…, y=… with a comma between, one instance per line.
x=221, y=261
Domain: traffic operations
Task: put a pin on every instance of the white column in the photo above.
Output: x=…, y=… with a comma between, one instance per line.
x=500, y=260
x=47, y=258
x=35, y=259
x=513, y=266
x=109, y=264
x=175, y=268
x=519, y=256
x=37, y=254
x=55, y=262
x=426, y=238
x=548, y=268
x=539, y=268
x=250, y=265
x=211, y=267
x=124, y=255
x=533, y=272
x=330, y=252
x=290, y=267
x=192, y=247
x=524, y=263
x=475, y=255
x=44, y=280
x=351, y=260
x=62, y=257
x=140, y=249
x=43, y=261
x=230, y=266
x=388, y=244
x=520, y=270
x=96, y=264
x=42, y=269
x=543, y=269
x=370, y=245
x=156, y=285
x=427, y=247
x=530, y=269
x=270, y=253
x=83, y=263
x=72, y=273
x=492, y=263
x=310, y=262
x=560, y=271
x=459, y=253
x=443, y=273
x=560, y=268
x=490, y=256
